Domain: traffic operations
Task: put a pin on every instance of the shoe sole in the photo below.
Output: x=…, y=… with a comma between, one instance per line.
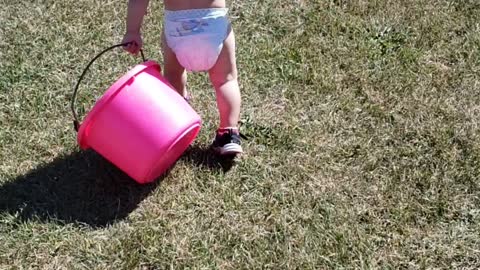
x=229, y=149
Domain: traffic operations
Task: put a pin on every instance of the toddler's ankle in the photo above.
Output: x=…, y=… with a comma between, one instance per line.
x=222, y=130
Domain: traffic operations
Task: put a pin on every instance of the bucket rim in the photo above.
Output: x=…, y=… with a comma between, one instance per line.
x=111, y=92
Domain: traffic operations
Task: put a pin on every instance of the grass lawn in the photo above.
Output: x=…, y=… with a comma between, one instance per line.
x=364, y=152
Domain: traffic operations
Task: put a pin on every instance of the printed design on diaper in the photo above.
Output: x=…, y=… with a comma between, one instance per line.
x=189, y=27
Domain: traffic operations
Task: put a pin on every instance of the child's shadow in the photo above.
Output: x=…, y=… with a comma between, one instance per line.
x=79, y=188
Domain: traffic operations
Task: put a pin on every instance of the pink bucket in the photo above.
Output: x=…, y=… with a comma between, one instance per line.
x=141, y=124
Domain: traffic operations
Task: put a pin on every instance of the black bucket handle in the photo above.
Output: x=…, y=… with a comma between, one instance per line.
x=76, y=122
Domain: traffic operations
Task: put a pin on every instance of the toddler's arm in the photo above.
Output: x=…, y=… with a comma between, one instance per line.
x=135, y=12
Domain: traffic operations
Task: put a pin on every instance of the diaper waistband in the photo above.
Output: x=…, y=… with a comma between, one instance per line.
x=187, y=14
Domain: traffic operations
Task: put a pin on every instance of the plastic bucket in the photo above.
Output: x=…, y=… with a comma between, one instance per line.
x=140, y=124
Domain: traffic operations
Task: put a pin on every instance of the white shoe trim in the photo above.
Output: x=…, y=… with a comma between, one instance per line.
x=229, y=148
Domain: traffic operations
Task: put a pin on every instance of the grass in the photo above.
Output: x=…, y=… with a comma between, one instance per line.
x=365, y=148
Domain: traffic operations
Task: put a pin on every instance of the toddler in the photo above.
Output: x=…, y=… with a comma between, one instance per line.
x=197, y=36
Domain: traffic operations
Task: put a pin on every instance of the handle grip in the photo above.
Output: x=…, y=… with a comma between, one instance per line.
x=76, y=122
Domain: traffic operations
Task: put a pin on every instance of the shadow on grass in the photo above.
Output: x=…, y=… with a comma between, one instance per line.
x=85, y=189
x=204, y=157
x=79, y=188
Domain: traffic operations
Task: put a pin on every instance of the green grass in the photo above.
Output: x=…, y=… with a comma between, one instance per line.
x=365, y=148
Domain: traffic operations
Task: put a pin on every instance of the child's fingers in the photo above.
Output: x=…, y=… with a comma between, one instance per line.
x=126, y=47
x=131, y=48
x=134, y=48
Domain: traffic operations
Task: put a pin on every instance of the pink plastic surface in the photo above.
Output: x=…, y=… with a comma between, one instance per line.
x=140, y=124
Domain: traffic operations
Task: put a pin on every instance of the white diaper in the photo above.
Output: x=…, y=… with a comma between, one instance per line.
x=196, y=36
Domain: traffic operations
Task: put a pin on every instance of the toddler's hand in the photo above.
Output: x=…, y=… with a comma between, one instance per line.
x=135, y=40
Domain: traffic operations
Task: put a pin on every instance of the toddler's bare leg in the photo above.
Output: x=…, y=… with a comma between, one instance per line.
x=172, y=70
x=223, y=76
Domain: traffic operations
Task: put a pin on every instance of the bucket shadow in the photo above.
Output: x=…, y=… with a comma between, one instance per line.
x=205, y=157
x=80, y=188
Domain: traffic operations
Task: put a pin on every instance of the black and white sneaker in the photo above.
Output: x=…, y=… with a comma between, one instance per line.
x=227, y=142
